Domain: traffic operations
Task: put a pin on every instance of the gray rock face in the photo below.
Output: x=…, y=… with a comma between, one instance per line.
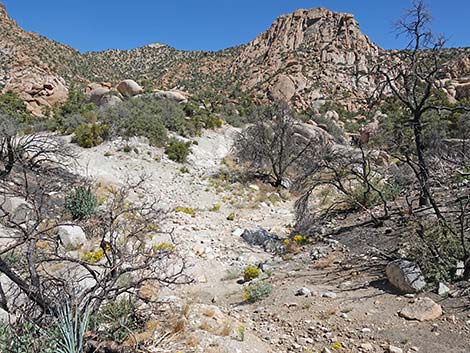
x=405, y=276
x=15, y=209
x=72, y=237
x=129, y=88
x=261, y=237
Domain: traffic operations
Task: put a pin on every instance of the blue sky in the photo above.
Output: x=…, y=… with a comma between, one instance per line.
x=211, y=24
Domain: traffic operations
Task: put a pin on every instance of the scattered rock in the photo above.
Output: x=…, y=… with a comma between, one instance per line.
x=17, y=209
x=443, y=290
x=367, y=347
x=393, y=349
x=261, y=237
x=405, y=276
x=238, y=232
x=423, y=309
x=331, y=295
x=72, y=237
x=303, y=292
x=148, y=291
x=460, y=269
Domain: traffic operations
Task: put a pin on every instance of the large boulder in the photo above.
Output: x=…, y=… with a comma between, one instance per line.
x=261, y=237
x=72, y=237
x=129, y=88
x=97, y=94
x=310, y=131
x=406, y=276
x=176, y=96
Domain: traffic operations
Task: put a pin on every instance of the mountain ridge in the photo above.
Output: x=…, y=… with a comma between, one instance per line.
x=304, y=57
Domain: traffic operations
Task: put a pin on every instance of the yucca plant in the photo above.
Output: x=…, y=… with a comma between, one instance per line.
x=72, y=326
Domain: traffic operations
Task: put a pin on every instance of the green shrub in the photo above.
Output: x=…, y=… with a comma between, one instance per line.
x=88, y=136
x=81, y=203
x=437, y=253
x=250, y=273
x=147, y=117
x=188, y=210
x=256, y=292
x=25, y=337
x=77, y=110
x=119, y=318
x=177, y=151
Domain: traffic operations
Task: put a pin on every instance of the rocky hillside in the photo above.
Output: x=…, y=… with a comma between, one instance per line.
x=308, y=55
x=305, y=57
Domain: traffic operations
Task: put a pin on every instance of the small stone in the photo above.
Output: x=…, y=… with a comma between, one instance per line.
x=393, y=349
x=331, y=295
x=443, y=290
x=367, y=347
x=460, y=269
x=303, y=292
x=238, y=232
x=423, y=309
x=366, y=330
x=72, y=237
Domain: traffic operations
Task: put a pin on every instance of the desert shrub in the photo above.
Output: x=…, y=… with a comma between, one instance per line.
x=90, y=135
x=116, y=320
x=93, y=257
x=231, y=217
x=147, y=117
x=71, y=122
x=437, y=252
x=177, y=150
x=216, y=207
x=362, y=196
x=164, y=247
x=25, y=337
x=12, y=106
x=188, y=210
x=256, y=292
x=250, y=273
x=81, y=203
x=300, y=239
x=76, y=111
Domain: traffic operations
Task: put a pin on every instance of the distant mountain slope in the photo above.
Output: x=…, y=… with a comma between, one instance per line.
x=304, y=57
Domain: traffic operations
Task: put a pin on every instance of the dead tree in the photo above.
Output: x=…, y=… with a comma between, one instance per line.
x=119, y=260
x=411, y=75
x=273, y=145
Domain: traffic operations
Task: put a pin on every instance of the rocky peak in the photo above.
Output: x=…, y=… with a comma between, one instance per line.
x=316, y=53
x=318, y=27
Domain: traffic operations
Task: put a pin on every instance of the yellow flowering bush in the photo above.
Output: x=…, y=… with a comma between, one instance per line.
x=250, y=273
